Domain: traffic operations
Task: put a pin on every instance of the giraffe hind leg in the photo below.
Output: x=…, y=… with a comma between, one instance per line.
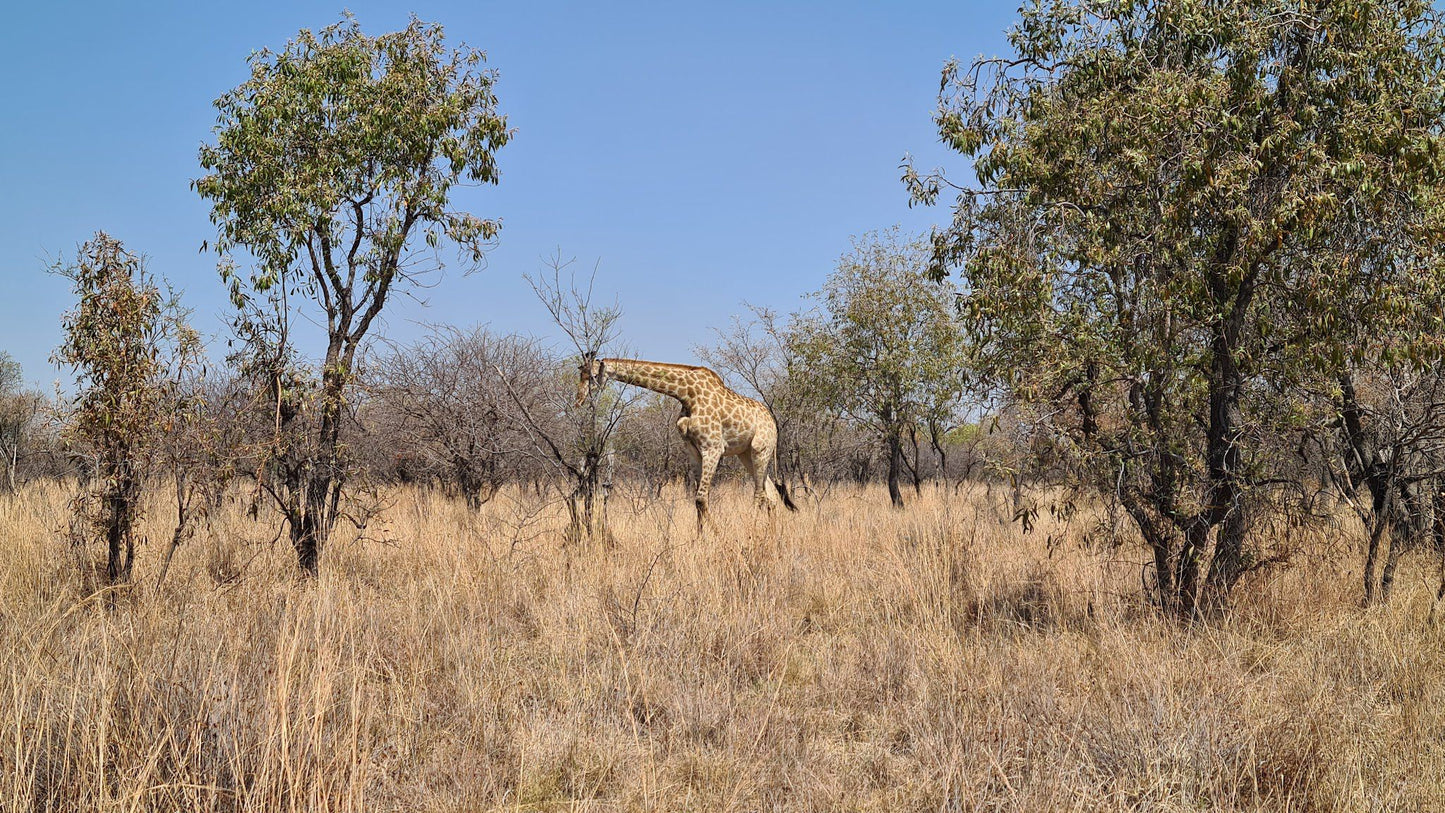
x=757, y=467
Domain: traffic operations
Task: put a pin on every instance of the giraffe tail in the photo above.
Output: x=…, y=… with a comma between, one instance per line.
x=783, y=492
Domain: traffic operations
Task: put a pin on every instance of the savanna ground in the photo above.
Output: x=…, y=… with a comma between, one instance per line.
x=858, y=658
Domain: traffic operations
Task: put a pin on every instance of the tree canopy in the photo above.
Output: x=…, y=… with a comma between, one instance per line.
x=1181, y=208
x=340, y=146
x=127, y=342
x=885, y=348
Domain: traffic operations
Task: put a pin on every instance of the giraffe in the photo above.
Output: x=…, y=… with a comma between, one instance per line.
x=716, y=422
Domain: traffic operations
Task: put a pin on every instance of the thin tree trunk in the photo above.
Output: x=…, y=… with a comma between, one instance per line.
x=895, y=462
x=183, y=524
x=1228, y=564
x=321, y=486
x=1409, y=510
x=917, y=475
x=11, y=465
x=1372, y=555
x=1438, y=529
x=1226, y=513
x=1162, y=544
x=1188, y=567
x=586, y=514
x=1392, y=560
x=121, y=490
x=937, y=444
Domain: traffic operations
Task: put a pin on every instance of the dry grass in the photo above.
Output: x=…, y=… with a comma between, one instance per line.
x=854, y=659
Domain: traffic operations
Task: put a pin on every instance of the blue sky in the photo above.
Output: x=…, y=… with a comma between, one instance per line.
x=698, y=156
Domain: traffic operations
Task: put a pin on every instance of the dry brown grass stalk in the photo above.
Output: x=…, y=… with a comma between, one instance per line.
x=849, y=657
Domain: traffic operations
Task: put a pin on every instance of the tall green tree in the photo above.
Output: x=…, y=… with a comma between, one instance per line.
x=1181, y=209
x=333, y=169
x=128, y=343
x=885, y=349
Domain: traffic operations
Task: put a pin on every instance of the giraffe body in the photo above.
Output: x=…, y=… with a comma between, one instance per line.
x=716, y=422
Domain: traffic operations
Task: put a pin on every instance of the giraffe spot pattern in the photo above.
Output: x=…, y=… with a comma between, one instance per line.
x=716, y=422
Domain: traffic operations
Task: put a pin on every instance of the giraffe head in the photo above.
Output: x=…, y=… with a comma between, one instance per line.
x=591, y=374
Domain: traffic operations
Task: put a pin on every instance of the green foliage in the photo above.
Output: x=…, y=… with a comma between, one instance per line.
x=886, y=349
x=124, y=340
x=1185, y=209
x=340, y=146
x=10, y=374
x=127, y=342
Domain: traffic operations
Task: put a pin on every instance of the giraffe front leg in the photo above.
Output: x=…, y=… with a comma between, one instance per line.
x=710, y=457
x=694, y=471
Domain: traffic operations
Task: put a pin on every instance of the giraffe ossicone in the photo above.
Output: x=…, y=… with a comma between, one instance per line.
x=716, y=422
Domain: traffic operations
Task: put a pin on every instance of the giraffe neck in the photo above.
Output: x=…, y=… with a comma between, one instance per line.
x=676, y=380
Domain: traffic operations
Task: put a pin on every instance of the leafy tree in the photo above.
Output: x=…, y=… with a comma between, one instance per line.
x=127, y=343
x=886, y=349
x=331, y=164
x=1183, y=208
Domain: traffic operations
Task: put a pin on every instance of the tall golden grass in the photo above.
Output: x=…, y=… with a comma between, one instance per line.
x=849, y=657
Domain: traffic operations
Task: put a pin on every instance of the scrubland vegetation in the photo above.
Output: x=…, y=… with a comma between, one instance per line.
x=855, y=658
x=1124, y=489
